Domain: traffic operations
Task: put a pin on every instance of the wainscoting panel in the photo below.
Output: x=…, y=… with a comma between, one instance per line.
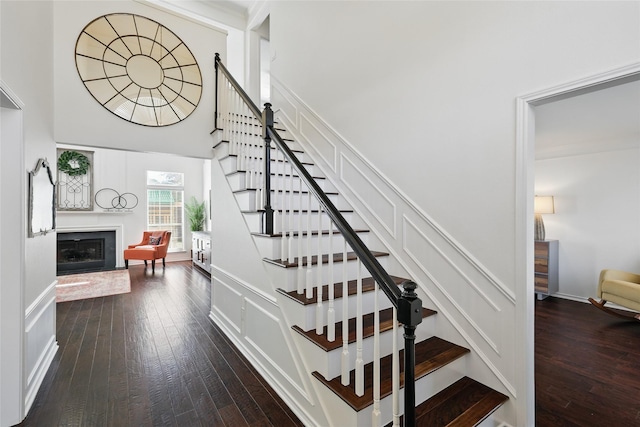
x=40, y=341
x=322, y=143
x=228, y=303
x=285, y=108
x=262, y=332
x=261, y=339
x=376, y=202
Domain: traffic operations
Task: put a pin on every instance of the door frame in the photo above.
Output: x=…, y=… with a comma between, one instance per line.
x=12, y=256
x=524, y=195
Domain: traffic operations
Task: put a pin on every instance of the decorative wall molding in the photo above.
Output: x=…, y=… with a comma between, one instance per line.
x=413, y=238
x=257, y=309
x=40, y=341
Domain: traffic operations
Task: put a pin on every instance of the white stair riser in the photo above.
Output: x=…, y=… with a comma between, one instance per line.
x=241, y=180
x=271, y=247
x=253, y=218
x=234, y=163
x=287, y=278
x=341, y=414
x=247, y=200
x=304, y=316
x=329, y=363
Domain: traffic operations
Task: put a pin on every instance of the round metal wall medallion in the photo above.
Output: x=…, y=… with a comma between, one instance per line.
x=138, y=69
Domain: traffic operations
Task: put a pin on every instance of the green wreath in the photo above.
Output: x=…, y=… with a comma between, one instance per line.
x=73, y=163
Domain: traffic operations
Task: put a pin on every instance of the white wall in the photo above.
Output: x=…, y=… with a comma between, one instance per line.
x=27, y=68
x=425, y=92
x=437, y=82
x=81, y=120
x=597, y=200
x=125, y=172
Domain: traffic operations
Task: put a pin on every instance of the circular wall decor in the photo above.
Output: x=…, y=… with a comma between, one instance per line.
x=138, y=69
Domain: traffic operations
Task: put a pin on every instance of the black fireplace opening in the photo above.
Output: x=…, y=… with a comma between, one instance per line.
x=87, y=251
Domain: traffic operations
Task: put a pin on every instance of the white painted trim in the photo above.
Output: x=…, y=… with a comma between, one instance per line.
x=35, y=319
x=37, y=307
x=38, y=375
x=423, y=215
x=215, y=270
x=290, y=400
x=460, y=262
x=525, y=158
x=11, y=96
x=182, y=13
x=12, y=356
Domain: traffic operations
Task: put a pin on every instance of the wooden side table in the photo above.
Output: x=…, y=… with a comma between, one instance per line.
x=546, y=268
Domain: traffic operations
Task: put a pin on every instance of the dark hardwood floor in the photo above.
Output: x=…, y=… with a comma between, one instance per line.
x=152, y=357
x=587, y=366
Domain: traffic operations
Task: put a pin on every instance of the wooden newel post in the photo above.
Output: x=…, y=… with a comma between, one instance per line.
x=267, y=122
x=410, y=315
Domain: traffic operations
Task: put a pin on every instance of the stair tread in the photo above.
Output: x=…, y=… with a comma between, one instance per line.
x=275, y=174
x=464, y=403
x=367, y=286
x=329, y=193
x=431, y=354
x=304, y=233
x=224, y=141
x=272, y=159
x=386, y=324
x=337, y=257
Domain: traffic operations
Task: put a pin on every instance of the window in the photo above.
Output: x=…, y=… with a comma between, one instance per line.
x=165, y=196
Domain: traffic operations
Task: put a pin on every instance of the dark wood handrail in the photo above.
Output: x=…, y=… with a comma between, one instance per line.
x=252, y=106
x=370, y=262
x=409, y=306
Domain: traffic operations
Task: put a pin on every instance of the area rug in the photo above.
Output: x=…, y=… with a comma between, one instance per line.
x=92, y=285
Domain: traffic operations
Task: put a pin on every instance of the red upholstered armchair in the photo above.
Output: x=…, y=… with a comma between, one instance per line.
x=153, y=246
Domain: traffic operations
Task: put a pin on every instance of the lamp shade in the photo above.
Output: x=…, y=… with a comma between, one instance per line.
x=543, y=205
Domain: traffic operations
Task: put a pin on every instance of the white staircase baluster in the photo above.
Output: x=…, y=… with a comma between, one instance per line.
x=375, y=416
x=291, y=225
x=275, y=202
x=345, y=319
x=300, y=277
x=395, y=372
x=331, y=313
x=309, y=274
x=283, y=218
x=319, y=309
x=359, y=361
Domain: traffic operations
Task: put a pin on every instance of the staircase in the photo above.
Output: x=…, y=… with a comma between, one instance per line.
x=345, y=327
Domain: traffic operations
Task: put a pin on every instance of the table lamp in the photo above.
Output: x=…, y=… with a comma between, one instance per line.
x=541, y=205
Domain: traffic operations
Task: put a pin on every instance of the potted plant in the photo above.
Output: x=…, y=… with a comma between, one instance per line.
x=195, y=213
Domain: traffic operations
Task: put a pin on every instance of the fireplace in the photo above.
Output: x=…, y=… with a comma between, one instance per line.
x=82, y=252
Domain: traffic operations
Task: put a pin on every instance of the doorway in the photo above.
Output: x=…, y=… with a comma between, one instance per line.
x=525, y=185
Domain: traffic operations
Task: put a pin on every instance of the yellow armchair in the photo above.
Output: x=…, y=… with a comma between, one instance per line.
x=619, y=287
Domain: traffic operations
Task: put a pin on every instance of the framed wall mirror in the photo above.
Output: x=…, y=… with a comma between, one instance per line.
x=42, y=200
